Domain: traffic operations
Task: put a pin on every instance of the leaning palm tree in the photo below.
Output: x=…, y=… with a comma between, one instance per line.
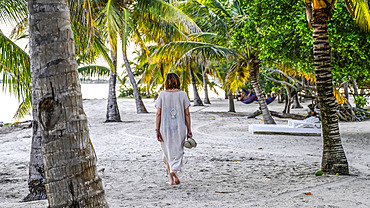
x=334, y=159
x=70, y=165
x=219, y=22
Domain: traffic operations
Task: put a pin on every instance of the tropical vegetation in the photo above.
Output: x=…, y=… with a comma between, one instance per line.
x=312, y=48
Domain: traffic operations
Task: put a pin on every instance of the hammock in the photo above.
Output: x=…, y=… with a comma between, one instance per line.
x=250, y=99
x=253, y=98
x=270, y=100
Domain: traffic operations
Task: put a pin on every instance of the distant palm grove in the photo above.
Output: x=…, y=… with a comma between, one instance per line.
x=318, y=49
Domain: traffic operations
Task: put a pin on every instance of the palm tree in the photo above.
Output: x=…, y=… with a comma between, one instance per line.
x=70, y=165
x=112, y=114
x=142, y=21
x=334, y=159
x=15, y=67
x=218, y=21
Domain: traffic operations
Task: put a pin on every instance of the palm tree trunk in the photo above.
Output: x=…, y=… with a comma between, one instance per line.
x=36, y=180
x=334, y=159
x=254, y=72
x=355, y=88
x=288, y=97
x=280, y=96
x=112, y=106
x=197, y=101
x=140, y=107
x=231, y=102
x=296, y=103
x=205, y=84
x=69, y=162
x=346, y=94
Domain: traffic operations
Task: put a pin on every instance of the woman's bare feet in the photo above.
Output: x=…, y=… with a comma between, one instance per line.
x=174, y=176
x=171, y=179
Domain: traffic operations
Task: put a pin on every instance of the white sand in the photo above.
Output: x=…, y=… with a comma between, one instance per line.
x=230, y=167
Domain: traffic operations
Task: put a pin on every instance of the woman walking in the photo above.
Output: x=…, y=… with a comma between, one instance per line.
x=173, y=124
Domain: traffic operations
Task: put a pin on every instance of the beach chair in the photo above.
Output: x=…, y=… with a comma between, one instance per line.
x=311, y=122
x=309, y=126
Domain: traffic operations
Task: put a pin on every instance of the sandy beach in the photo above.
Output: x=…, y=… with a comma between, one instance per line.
x=229, y=168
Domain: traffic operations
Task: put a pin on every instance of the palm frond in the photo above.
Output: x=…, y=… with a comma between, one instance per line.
x=94, y=70
x=110, y=18
x=20, y=30
x=159, y=10
x=360, y=11
x=179, y=52
x=237, y=75
x=161, y=32
x=24, y=108
x=12, y=12
x=15, y=68
x=82, y=19
x=127, y=28
x=208, y=14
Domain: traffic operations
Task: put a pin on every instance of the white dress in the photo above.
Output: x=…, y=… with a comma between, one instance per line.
x=173, y=128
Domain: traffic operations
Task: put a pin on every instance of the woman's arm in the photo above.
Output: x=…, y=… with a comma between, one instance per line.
x=158, y=124
x=187, y=122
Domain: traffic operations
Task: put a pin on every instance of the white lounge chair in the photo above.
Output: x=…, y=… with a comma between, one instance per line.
x=304, y=127
x=311, y=122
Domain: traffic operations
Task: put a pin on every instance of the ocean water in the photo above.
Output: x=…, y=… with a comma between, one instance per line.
x=9, y=104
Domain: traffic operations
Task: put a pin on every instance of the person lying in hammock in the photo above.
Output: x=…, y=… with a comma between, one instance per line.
x=245, y=94
x=252, y=97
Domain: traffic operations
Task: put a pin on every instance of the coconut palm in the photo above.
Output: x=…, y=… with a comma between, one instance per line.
x=219, y=24
x=70, y=165
x=334, y=159
x=140, y=22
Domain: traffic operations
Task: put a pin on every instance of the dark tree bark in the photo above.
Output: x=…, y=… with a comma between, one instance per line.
x=334, y=159
x=112, y=106
x=140, y=107
x=231, y=102
x=355, y=88
x=254, y=72
x=205, y=84
x=36, y=180
x=197, y=101
x=281, y=95
x=296, y=103
x=346, y=94
x=148, y=92
x=69, y=162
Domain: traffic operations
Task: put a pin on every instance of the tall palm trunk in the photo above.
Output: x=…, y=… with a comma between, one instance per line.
x=346, y=94
x=36, y=180
x=355, y=88
x=140, y=107
x=205, y=84
x=254, y=72
x=288, y=97
x=112, y=106
x=69, y=162
x=296, y=103
x=334, y=159
x=231, y=102
x=197, y=100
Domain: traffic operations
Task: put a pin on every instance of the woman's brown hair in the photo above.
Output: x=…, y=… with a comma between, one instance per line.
x=172, y=81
